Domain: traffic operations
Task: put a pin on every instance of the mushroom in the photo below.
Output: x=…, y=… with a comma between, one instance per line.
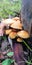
x=19, y=39
x=16, y=25
x=16, y=18
x=8, y=21
x=23, y=34
x=7, y=31
x=17, y=48
x=12, y=35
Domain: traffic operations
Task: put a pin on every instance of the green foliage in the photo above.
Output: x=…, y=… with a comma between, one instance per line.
x=8, y=62
x=7, y=7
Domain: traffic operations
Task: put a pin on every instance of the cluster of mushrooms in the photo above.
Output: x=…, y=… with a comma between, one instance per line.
x=14, y=28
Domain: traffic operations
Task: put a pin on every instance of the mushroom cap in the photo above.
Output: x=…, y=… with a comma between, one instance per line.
x=8, y=31
x=19, y=39
x=8, y=21
x=16, y=18
x=13, y=35
x=16, y=25
x=23, y=34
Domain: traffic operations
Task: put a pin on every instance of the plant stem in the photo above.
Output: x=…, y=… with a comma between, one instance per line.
x=27, y=45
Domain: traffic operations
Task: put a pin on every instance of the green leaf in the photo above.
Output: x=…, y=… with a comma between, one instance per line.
x=6, y=62
x=10, y=54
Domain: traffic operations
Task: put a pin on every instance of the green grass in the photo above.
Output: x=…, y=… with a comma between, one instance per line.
x=7, y=7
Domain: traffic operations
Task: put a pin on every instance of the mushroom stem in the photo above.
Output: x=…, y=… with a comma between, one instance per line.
x=10, y=41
